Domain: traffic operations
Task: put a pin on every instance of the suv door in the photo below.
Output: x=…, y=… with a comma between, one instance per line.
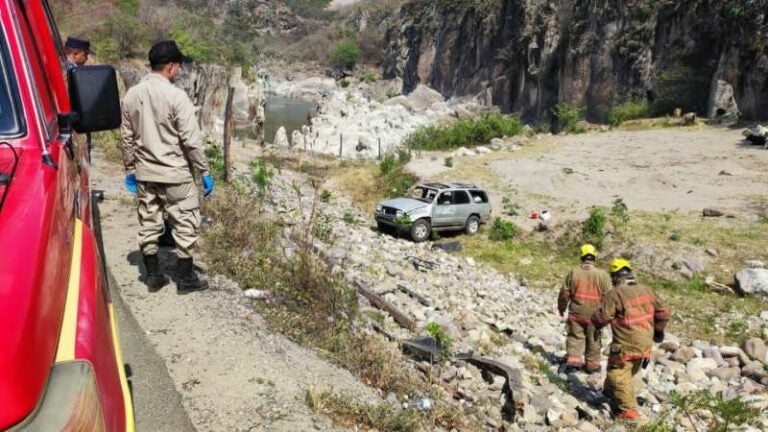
x=444, y=210
x=463, y=205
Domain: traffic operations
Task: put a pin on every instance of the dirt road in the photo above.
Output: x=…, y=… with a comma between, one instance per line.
x=654, y=170
x=231, y=372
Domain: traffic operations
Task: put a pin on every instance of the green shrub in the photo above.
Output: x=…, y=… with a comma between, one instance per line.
x=466, y=132
x=345, y=54
x=215, y=157
x=325, y=196
x=368, y=78
x=629, y=110
x=448, y=162
x=620, y=212
x=344, y=83
x=593, y=229
x=393, y=177
x=502, y=230
x=261, y=175
x=568, y=117
x=349, y=218
x=725, y=413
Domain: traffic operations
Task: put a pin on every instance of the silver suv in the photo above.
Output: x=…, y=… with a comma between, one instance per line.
x=436, y=207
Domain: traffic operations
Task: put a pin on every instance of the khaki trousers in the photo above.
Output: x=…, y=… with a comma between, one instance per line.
x=582, y=341
x=181, y=203
x=618, y=384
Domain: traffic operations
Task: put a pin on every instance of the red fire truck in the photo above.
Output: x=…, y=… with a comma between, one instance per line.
x=60, y=366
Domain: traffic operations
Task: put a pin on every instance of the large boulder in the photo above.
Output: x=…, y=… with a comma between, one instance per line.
x=752, y=281
x=281, y=138
x=722, y=104
x=423, y=98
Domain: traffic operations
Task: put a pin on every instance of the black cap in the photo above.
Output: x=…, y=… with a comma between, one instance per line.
x=78, y=43
x=166, y=52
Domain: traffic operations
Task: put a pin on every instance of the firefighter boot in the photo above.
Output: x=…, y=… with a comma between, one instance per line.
x=155, y=278
x=188, y=280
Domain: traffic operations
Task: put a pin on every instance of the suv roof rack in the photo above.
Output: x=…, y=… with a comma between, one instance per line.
x=436, y=185
x=464, y=185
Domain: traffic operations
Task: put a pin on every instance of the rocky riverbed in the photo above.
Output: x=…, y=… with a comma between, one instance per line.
x=500, y=317
x=364, y=118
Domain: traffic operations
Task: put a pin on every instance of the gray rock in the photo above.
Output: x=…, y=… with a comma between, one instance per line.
x=752, y=281
x=712, y=252
x=722, y=107
x=683, y=355
x=481, y=150
x=725, y=374
x=755, y=349
x=697, y=368
x=695, y=264
x=670, y=346
x=755, y=370
x=714, y=354
x=764, y=315
x=686, y=388
x=754, y=264
x=281, y=138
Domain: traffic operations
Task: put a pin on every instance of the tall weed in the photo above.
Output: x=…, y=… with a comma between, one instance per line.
x=466, y=132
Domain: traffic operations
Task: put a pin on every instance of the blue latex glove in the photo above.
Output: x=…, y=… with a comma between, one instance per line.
x=207, y=185
x=130, y=183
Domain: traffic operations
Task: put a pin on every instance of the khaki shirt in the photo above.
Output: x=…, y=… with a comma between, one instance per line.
x=162, y=141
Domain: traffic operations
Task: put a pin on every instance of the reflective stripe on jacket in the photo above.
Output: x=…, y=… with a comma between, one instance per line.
x=634, y=311
x=583, y=292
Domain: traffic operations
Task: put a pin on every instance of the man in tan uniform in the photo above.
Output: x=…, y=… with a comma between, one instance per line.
x=162, y=146
x=638, y=318
x=581, y=295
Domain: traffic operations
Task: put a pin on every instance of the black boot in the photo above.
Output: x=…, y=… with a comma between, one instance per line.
x=188, y=280
x=155, y=278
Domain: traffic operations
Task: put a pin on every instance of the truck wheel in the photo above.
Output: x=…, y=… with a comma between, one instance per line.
x=420, y=230
x=472, y=226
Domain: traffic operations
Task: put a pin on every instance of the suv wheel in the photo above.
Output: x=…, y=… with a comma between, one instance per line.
x=420, y=230
x=472, y=226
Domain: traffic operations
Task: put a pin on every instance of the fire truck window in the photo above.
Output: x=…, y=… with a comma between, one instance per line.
x=10, y=121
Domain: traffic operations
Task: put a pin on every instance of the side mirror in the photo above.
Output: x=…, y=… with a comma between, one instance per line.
x=95, y=98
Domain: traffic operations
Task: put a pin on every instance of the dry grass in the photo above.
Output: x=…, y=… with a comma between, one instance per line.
x=109, y=143
x=358, y=183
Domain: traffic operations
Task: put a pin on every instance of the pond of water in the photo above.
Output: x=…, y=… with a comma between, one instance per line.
x=289, y=113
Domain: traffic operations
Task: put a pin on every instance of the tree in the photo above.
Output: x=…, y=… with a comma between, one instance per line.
x=345, y=55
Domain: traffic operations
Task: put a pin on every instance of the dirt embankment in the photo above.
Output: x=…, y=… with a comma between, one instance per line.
x=232, y=373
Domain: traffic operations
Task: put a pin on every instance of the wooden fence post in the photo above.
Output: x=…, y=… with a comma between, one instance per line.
x=228, y=131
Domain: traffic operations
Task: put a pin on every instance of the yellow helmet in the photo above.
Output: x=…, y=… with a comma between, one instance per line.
x=588, y=249
x=620, y=263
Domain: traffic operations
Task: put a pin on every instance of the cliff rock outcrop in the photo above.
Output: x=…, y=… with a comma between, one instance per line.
x=708, y=56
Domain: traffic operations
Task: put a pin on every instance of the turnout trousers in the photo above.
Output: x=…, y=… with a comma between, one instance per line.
x=182, y=205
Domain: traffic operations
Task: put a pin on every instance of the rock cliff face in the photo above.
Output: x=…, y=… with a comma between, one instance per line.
x=525, y=56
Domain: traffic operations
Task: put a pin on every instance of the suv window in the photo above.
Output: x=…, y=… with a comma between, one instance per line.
x=11, y=123
x=460, y=197
x=478, y=196
x=455, y=197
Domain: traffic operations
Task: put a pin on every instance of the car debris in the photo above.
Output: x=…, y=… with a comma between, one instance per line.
x=418, y=297
x=401, y=318
x=422, y=265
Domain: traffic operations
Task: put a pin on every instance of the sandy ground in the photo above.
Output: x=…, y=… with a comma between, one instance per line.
x=232, y=373
x=654, y=170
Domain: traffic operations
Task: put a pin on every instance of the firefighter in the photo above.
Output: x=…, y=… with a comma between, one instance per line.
x=637, y=317
x=581, y=295
x=162, y=149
